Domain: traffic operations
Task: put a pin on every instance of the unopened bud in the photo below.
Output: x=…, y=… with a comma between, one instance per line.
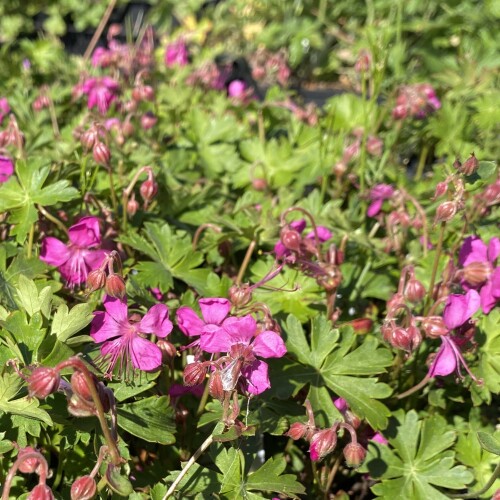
x=399, y=112
x=434, y=327
x=194, y=373
x=43, y=381
x=414, y=290
x=84, y=488
x=168, y=350
x=297, y=431
x=96, y=280
x=477, y=273
x=407, y=339
x=215, y=386
x=132, y=206
x=148, y=189
x=441, y=189
x=80, y=386
x=115, y=286
x=361, y=326
x=446, y=211
x=101, y=154
x=88, y=139
x=352, y=419
x=470, y=165
x=354, y=454
x=127, y=128
x=41, y=492
x=457, y=164
x=30, y=464
x=240, y=295
x=291, y=239
x=148, y=120
x=259, y=184
x=374, y=146
x=322, y=443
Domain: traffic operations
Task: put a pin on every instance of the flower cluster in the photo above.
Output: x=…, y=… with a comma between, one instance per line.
x=416, y=101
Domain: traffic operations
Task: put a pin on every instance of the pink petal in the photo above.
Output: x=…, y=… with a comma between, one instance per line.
x=94, y=258
x=324, y=234
x=74, y=270
x=298, y=225
x=493, y=249
x=189, y=322
x=54, y=252
x=257, y=377
x=104, y=328
x=116, y=308
x=269, y=344
x=215, y=339
x=374, y=208
x=86, y=233
x=156, y=321
x=495, y=283
x=280, y=250
x=473, y=250
x=378, y=438
x=445, y=361
x=214, y=310
x=240, y=329
x=460, y=308
x=145, y=355
x=488, y=300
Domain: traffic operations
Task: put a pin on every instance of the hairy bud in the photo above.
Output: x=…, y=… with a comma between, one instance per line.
x=132, y=206
x=215, y=386
x=414, y=290
x=194, y=373
x=96, y=280
x=30, y=464
x=446, y=211
x=168, y=350
x=297, y=431
x=148, y=189
x=470, y=165
x=434, y=326
x=84, y=488
x=43, y=381
x=407, y=339
x=322, y=443
x=80, y=386
x=88, y=139
x=101, y=154
x=41, y=492
x=354, y=454
x=291, y=239
x=115, y=286
x=240, y=296
x=361, y=326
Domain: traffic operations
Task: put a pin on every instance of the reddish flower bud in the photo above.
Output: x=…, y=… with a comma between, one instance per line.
x=127, y=128
x=352, y=419
x=148, y=120
x=361, y=326
x=132, y=206
x=30, y=464
x=115, y=286
x=414, y=290
x=194, y=373
x=96, y=280
x=80, y=386
x=434, y=326
x=240, y=296
x=457, y=164
x=446, y=211
x=477, y=273
x=470, y=165
x=354, y=454
x=406, y=339
x=374, y=146
x=84, y=488
x=399, y=112
x=259, y=184
x=297, y=430
x=101, y=154
x=291, y=239
x=441, y=189
x=43, y=381
x=215, y=386
x=322, y=443
x=168, y=350
x=41, y=492
x=88, y=139
x=148, y=189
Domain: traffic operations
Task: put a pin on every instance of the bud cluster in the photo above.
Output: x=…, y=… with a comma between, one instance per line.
x=415, y=101
x=12, y=135
x=449, y=208
x=106, y=277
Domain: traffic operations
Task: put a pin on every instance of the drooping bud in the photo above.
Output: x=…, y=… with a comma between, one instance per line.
x=84, y=488
x=96, y=280
x=407, y=339
x=194, y=373
x=434, y=326
x=88, y=139
x=43, y=381
x=148, y=120
x=30, y=464
x=446, y=211
x=115, y=286
x=101, y=154
x=323, y=442
x=361, y=326
x=470, y=165
x=168, y=350
x=297, y=430
x=80, y=386
x=41, y=492
x=354, y=454
x=291, y=239
x=414, y=290
x=457, y=164
x=259, y=184
x=215, y=386
x=441, y=189
x=240, y=296
x=148, y=189
x=352, y=419
x=477, y=273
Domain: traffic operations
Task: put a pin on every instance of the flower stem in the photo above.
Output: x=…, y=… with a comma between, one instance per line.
x=415, y=388
x=53, y=219
x=100, y=29
x=114, y=200
x=188, y=465
x=439, y=248
x=31, y=236
x=203, y=400
x=331, y=475
x=421, y=163
x=245, y=262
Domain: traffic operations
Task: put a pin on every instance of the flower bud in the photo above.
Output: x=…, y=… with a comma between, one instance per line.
x=374, y=146
x=352, y=419
x=470, y=165
x=132, y=206
x=477, y=273
x=399, y=112
x=28, y=465
x=400, y=338
x=96, y=280
x=291, y=239
x=148, y=120
x=361, y=326
x=115, y=286
x=434, y=326
x=215, y=386
x=88, y=139
x=441, y=189
x=297, y=431
x=446, y=211
x=259, y=184
x=148, y=189
x=41, y=492
x=80, y=386
x=354, y=454
x=457, y=164
x=168, y=350
x=101, y=154
x=322, y=443
x=414, y=290
x=194, y=373
x=43, y=381
x=240, y=296
x=84, y=488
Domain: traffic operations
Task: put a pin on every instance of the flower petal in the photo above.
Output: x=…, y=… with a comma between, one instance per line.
x=145, y=355
x=269, y=344
x=493, y=249
x=189, y=322
x=93, y=258
x=460, y=308
x=215, y=338
x=214, y=310
x=85, y=233
x=116, y=308
x=445, y=361
x=103, y=327
x=374, y=207
x=156, y=321
x=240, y=329
x=473, y=250
x=488, y=300
x=257, y=377
x=54, y=252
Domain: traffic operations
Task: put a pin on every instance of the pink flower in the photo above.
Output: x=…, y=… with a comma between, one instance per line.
x=477, y=260
x=123, y=335
x=460, y=308
x=6, y=168
x=416, y=100
x=4, y=108
x=238, y=337
x=80, y=256
x=176, y=54
x=237, y=88
x=101, y=57
x=378, y=195
x=378, y=438
x=101, y=92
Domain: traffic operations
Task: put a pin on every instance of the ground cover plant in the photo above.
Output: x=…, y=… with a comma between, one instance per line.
x=250, y=250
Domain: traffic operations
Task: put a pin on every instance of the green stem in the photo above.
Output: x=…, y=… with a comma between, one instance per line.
x=203, y=400
x=362, y=162
x=484, y=489
x=439, y=248
x=357, y=288
x=31, y=237
x=114, y=200
x=415, y=388
x=245, y=262
x=421, y=162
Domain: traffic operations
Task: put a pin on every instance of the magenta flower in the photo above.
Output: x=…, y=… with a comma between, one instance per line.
x=378, y=194
x=80, y=256
x=4, y=108
x=176, y=54
x=379, y=438
x=101, y=92
x=416, y=100
x=238, y=337
x=478, y=261
x=6, y=168
x=237, y=88
x=460, y=308
x=123, y=335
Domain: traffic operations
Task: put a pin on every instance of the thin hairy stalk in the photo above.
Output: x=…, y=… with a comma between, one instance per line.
x=439, y=249
x=245, y=262
x=415, y=388
x=53, y=219
x=100, y=29
x=331, y=475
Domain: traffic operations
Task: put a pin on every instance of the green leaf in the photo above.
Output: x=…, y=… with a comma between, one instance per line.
x=28, y=295
x=151, y=419
x=489, y=442
x=197, y=480
x=66, y=323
